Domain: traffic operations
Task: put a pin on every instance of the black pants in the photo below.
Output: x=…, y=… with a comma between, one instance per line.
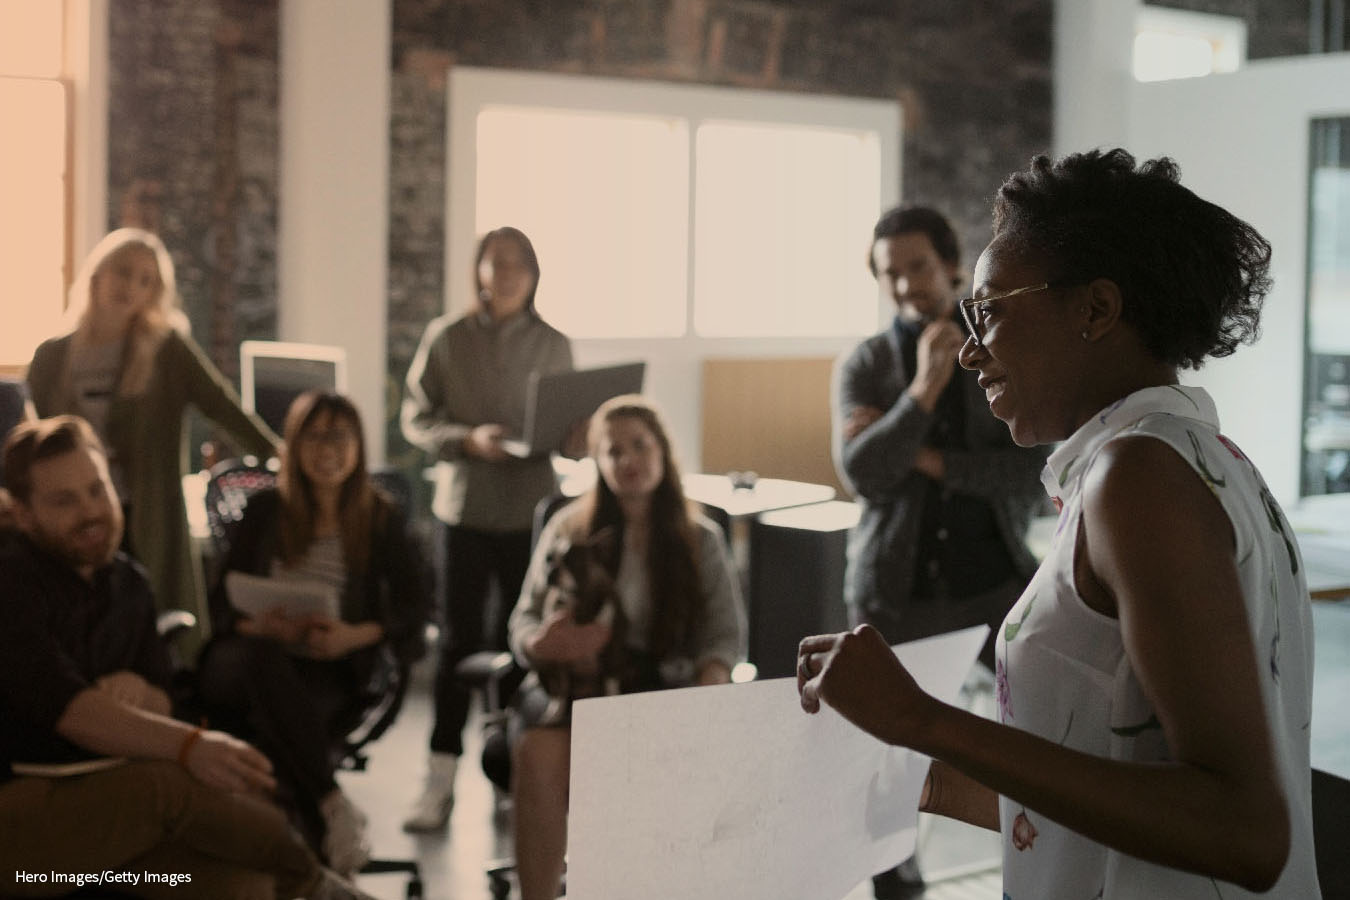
x=468, y=563
x=295, y=709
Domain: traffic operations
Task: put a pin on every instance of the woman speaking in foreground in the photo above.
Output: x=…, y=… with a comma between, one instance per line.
x=1155, y=679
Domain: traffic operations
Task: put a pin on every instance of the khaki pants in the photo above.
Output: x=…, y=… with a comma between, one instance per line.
x=147, y=819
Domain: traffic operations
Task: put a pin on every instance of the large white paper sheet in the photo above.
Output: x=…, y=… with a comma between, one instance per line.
x=734, y=792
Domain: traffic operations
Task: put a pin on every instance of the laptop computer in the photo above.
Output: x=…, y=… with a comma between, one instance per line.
x=554, y=402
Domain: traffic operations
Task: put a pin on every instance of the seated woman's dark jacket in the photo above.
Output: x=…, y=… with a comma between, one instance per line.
x=392, y=591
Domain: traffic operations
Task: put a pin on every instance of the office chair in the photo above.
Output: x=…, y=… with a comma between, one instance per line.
x=395, y=485
x=13, y=409
x=228, y=489
x=229, y=484
x=13, y=403
x=382, y=701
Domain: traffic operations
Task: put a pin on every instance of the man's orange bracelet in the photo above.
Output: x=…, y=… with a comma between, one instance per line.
x=183, y=751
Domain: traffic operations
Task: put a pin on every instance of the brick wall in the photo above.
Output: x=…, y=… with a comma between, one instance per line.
x=192, y=154
x=974, y=80
x=193, y=112
x=1274, y=27
x=193, y=135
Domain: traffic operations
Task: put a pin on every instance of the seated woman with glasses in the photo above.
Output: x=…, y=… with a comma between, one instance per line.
x=1154, y=682
x=295, y=684
x=684, y=624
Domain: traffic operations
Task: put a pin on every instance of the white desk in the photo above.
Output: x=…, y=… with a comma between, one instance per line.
x=1322, y=527
x=576, y=477
x=767, y=495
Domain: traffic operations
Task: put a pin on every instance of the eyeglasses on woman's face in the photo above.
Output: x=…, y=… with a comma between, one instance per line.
x=975, y=310
x=331, y=437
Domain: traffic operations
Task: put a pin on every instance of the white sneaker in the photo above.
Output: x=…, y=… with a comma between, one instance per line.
x=431, y=811
x=344, y=838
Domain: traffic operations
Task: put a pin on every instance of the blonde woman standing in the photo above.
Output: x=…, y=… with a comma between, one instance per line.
x=129, y=366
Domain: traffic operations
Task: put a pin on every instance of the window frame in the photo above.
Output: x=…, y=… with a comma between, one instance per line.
x=84, y=81
x=471, y=89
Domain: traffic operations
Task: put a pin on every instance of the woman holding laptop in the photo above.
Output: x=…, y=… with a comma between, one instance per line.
x=294, y=682
x=465, y=397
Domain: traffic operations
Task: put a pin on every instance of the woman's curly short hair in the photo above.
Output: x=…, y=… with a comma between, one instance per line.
x=1191, y=274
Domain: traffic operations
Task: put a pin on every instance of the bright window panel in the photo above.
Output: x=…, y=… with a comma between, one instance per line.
x=32, y=218
x=782, y=220
x=30, y=38
x=1329, y=267
x=1175, y=43
x=1159, y=56
x=604, y=199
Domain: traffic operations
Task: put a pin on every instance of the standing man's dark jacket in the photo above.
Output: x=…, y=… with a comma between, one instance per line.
x=878, y=465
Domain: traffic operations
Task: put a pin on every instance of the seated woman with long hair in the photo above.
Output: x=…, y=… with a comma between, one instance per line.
x=295, y=685
x=677, y=592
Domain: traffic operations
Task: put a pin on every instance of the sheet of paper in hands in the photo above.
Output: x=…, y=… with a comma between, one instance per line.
x=735, y=792
x=254, y=595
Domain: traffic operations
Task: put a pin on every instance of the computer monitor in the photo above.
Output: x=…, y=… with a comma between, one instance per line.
x=274, y=373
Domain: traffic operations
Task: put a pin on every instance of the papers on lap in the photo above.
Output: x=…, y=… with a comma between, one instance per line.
x=735, y=792
x=65, y=770
x=254, y=595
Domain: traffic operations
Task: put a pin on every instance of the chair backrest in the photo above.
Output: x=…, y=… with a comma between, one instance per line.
x=383, y=700
x=228, y=488
x=394, y=484
x=388, y=683
x=13, y=404
x=543, y=511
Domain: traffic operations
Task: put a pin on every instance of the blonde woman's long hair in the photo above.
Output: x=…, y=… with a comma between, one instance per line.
x=147, y=330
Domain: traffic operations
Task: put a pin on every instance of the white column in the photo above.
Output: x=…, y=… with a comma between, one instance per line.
x=87, y=67
x=1094, y=47
x=332, y=257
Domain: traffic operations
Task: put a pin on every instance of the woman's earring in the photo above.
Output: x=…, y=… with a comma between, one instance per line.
x=1085, y=334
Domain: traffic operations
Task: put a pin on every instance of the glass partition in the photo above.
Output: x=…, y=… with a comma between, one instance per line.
x=1326, y=403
